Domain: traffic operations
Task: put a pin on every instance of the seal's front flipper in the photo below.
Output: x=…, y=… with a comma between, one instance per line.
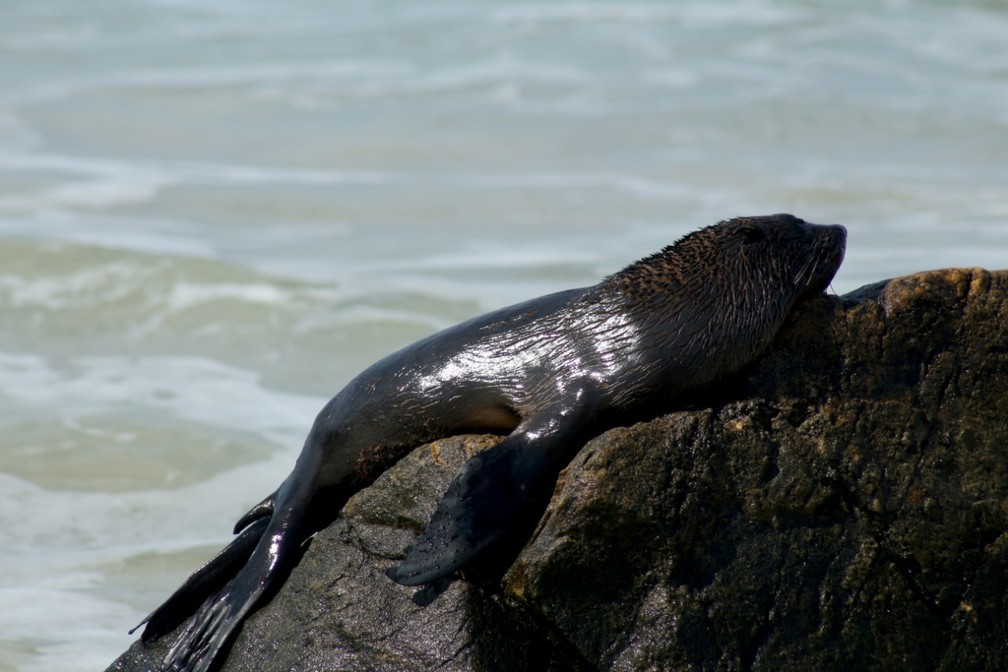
x=493, y=489
x=494, y=492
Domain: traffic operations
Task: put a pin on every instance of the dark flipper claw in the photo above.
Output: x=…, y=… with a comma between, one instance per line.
x=263, y=509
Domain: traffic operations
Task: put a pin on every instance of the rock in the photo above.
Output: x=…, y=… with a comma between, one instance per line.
x=841, y=505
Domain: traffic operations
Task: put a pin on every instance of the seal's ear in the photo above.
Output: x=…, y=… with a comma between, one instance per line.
x=752, y=234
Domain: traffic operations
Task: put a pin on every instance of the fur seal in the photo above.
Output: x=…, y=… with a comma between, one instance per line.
x=548, y=373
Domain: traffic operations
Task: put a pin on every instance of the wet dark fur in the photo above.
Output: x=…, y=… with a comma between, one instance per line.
x=549, y=373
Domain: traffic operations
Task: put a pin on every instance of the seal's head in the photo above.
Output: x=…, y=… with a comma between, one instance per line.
x=747, y=261
x=782, y=248
x=730, y=286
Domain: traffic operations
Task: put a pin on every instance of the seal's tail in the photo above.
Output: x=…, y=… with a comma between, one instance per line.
x=204, y=582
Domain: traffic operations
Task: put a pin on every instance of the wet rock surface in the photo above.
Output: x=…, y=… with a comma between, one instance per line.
x=842, y=505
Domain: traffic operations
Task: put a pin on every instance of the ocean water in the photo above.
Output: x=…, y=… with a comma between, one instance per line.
x=212, y=215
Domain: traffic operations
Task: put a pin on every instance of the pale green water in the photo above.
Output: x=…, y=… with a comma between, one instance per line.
x=212, y=215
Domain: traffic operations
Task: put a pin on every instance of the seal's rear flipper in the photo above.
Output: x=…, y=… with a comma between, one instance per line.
x=212, y=627
x=218, y=619
x=203, y=583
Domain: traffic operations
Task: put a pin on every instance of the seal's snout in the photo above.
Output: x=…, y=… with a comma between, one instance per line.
x=826, y=255
x=836, y=240
x=839, y=233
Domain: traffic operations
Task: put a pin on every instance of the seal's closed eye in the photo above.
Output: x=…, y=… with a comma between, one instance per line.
x=751, y=234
